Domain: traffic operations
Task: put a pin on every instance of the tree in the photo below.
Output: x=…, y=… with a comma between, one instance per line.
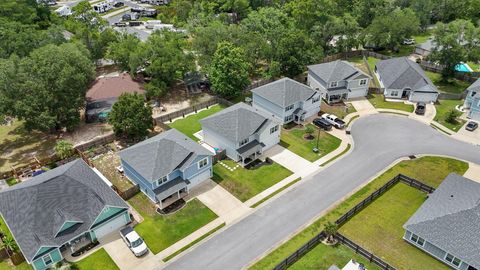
x=121, y=50
x=229, y=70
x=309, y=131
x=64, y=149
x=9, y=244
x=452, y=116
x=130, y=117
x=330, y=230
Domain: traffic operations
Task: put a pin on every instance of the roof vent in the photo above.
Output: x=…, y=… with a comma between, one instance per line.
x=451, y=196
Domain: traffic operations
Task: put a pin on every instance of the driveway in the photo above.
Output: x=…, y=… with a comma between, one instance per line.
x=380, y=140
x=429, y=115
x=288, y=159
x=468, y=136
x=120, y=253
x=363, y=106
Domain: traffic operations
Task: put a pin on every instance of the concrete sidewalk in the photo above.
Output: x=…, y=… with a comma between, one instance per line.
x=288, y=159
x=473, y=172
x=346, y=139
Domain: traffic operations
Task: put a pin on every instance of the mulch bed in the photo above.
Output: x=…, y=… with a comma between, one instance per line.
x=172, y=208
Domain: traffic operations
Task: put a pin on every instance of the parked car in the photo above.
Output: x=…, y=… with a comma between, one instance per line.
x=408, y=41
x=126, y=17
x=421, y=107
x=118, y=4
x=333, y=120
x=134, y=23
x=120, y=24
x=471, y=126
x=134, y=242
x=322, y=123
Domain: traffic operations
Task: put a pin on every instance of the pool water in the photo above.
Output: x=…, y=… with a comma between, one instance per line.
x=462, y=67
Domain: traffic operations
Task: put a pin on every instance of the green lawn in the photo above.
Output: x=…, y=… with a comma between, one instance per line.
x=474, y=65
x=379, y=102
x=422, y=37
x=6, y=265
x=97, y=260
x=294, y=141
x=243, y=183
x=403, y=50
x=191, y=124
x=443, y=109
x=339, y=110
x=431, y=170
x=452, y=86
x=378, y=228
x=160, y=232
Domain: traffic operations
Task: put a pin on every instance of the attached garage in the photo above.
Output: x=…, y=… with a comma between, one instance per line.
x=111, y=226
x=426, y=97
x=356, y=93
x=199, y=178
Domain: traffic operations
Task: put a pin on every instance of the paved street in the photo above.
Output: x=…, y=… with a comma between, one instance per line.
x=379, y=140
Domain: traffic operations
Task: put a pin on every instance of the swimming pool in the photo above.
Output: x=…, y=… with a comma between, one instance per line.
x=463, y=67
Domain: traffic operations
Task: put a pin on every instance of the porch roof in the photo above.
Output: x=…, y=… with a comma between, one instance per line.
x=299, y=111
x=250, y=148
x=170, y=187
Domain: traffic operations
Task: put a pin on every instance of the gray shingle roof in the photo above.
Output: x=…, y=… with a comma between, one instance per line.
x=401, y=72
x=36, y=209
x=450, y=219
x=475, y=87
x=335, y=71
x=160, y=155
x=285, y=92
x=237, y=122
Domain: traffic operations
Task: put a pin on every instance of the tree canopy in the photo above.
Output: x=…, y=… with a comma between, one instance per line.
x=131, y=117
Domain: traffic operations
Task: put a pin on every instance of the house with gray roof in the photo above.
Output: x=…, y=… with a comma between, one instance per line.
x=401, y=78
x=287, y=100
x=55, y=213
x=447, y=225
x=244, y=132
x=167, y=166
x=472, y=101
x=338, y=81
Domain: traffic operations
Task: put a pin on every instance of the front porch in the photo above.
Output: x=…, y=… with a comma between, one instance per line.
x=250, y=152
x=79, y=247
x=336, y=95
x=171, y=192
x=299, y=116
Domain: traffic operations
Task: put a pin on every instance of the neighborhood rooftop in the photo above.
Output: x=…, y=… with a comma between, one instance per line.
x=108, y=87
x=450, y=218
x=475, y=87
x=36, y=210
x=335, y=71
x=163, y=153
x=285, y=92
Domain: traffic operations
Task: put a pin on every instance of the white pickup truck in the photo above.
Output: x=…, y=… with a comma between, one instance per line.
x=335, y=121
x=134, y=242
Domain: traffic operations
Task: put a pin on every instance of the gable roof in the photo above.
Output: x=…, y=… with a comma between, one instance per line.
x=450, y=218
x=401, y=72
x=475, y=87
x=237, y=122
x=108, y=87
x=335, y=71
x=36, y=209
x=285, y=92
x=160, y=155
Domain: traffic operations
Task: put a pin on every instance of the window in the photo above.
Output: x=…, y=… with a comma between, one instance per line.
x=394, y=93
x=162, y=180
x=473, y=93
x=47, y=260
x=333, y=84
x=453, y=260
x=363, y=81
x=273, y=129
x=202, y=163
x=315, y=99
x=288, y=108
x=289, y=118
x=417, y=239
x=243, y=142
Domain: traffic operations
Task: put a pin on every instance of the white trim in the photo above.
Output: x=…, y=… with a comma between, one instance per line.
x=50, y=257
x=451, y=263
x=110, y=206
x=73, y=221
x=206, y=164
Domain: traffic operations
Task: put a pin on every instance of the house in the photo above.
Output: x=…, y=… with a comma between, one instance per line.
x=447, y=225
x=472, y=100
x=105, y=91
x=242, y=131
x=167, y=166
x=338, y=81
x=287, y=100
x=401, y=78
x=55, y=213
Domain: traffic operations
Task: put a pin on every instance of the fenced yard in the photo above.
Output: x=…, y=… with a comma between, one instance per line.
x=107, y=164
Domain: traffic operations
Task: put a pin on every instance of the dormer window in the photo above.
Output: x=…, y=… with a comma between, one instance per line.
x=242, y=142
x=333, y=84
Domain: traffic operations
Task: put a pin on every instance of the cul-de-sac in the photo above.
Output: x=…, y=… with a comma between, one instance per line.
x=239, y=134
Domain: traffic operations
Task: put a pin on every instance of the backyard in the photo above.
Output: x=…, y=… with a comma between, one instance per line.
x=451, y=86
x=6, y=265
x=430, y=170
x=161, y=231
x=246, y=183
x=191, y=124
x=107, y=164
x=444, y=107
x=293, y=139
x=371, y=61
x=97, y=260
x=340, y=110
x=379, y=102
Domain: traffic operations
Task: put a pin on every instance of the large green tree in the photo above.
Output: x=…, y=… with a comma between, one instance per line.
x=122, y=50
x=131, y=117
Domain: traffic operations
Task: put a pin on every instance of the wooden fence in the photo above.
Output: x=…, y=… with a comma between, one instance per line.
x=470, y=77
x=129, y=193
x=300, y=252
x=96, y=142
x=17, y=258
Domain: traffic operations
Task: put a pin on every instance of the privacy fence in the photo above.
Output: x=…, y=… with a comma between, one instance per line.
x=295, y=256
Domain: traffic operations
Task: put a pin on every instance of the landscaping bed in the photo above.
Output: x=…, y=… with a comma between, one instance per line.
x=161, y=231
x=97, y=260
x=378, y=101
x=444, y=107
x=294, y=140
x=107, y=164
x=245, y=184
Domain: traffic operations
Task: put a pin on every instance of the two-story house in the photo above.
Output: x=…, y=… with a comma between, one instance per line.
x=287, y=100
x=447, y=225
x=338, y=81
x=242, y=131
x=472, y=101
x=167, y=166
x=54, y=214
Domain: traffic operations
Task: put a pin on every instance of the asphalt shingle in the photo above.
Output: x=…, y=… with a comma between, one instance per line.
x=285, y=92
x=335, y=71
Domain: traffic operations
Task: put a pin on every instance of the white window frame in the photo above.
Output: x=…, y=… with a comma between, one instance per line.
x=418, y=240
x=49, y=258
x=453, y=259
x=363, y=82
x=288, y=118
x=243, y=142
x=203, y=163
x=274, y=129
x=394, y=93
x=162, y=180
x=289, y=108
x=333, y=84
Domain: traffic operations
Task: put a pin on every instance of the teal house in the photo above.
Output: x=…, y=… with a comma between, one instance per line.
x=55, y=214
x=472, y=101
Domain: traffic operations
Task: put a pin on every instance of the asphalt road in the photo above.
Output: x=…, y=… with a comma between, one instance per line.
x=379, y=140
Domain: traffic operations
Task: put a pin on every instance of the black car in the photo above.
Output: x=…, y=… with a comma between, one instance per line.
x=322, y=123
x=134, y=23
x=118, y=4
x=421, y=107
x=126, y=17
x=471, y=126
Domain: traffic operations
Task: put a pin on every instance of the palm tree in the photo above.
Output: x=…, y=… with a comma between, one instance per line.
x=10, y=245
x=64, y=149
x=330, y=230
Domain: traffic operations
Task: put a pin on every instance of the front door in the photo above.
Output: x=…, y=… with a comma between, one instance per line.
x=405, y=93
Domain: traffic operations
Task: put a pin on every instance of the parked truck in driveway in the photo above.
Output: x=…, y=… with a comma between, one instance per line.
x=335, y=121
x=134, y=242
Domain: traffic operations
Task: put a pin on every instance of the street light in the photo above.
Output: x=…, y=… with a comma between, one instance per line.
x=315, y=149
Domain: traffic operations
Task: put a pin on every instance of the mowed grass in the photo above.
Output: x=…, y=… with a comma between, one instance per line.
x=430, y=170
x=7, y=265
x=340, y=110
x=97, y=260
x=378, y=228
x=293, y=139
x=451, y=86
x=378, y=101
x=245, y=184
x=191, y=124
x=443, y=108
x=161, y=231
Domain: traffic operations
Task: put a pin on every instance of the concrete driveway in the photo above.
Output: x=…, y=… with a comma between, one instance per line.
x=429, y=115
x=363, y=106
x=288, y=159
x=379, y=140
x=468, y=136
x=120, y=253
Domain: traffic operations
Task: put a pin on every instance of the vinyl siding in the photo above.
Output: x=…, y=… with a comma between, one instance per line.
x=193, y=169
x=55, y=255
x=268, y=106
x=145, y=186
x=269, y=139
x=214, y=139
x=107, y=213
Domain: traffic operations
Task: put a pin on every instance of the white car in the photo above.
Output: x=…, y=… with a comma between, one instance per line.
x=134, y=242
x=408, y=41
x=335, y=121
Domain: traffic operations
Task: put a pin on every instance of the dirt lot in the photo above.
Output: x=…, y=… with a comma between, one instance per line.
x=107, y=164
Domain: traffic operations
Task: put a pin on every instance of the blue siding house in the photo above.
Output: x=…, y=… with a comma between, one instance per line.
x=60, y=211
x=472, y=101
x=167, y=166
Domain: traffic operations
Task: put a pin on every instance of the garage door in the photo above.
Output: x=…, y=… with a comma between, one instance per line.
x=355, y=93
x=199, y=178
x=110, y=226
x=423, y=97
